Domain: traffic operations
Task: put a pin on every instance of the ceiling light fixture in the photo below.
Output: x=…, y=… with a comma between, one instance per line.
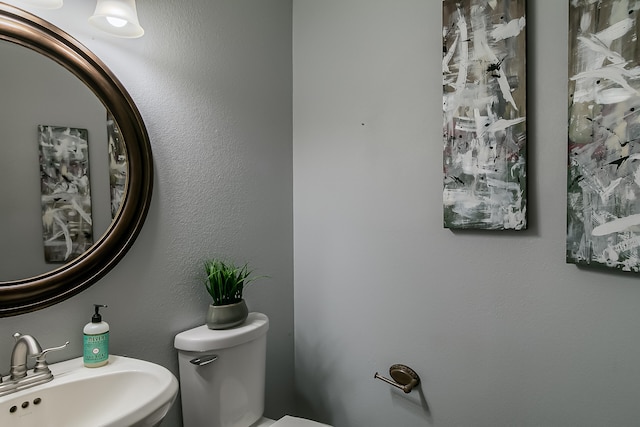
x=117, y=17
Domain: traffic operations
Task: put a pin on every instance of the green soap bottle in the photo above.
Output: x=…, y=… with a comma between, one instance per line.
x=96, y=340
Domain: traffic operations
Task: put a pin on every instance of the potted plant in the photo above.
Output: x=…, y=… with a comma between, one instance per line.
x=225, y=283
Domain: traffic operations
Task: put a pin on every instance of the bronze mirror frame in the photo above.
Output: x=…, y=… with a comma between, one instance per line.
x=30, y=294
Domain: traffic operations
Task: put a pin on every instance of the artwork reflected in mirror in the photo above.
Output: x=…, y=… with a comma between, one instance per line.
x=65, y=192
x=41, y=92
x=117, y=165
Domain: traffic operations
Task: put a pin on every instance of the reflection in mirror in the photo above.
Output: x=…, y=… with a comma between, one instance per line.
x=88, y=97
x=42, y=92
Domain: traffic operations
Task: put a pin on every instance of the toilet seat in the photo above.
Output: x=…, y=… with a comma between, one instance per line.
x=289, y=421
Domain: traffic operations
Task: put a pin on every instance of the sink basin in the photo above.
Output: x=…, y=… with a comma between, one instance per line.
x=124, y=393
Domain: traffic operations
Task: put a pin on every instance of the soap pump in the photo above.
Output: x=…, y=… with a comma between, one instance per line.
x=96, y=340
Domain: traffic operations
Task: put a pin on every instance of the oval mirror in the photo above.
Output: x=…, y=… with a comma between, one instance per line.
x=122, y=122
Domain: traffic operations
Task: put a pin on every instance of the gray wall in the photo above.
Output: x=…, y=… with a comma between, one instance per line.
x=501, y=330
x=212, y=80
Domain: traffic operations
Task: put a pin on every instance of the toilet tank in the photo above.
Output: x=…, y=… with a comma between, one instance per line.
x=227, y=391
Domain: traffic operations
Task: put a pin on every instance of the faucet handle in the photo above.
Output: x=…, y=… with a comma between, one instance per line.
x=41, y=358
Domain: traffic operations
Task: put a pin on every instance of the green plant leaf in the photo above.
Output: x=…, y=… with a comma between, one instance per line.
x=225, y=281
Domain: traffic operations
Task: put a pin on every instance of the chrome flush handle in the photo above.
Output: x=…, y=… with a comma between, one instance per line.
x=204, y=359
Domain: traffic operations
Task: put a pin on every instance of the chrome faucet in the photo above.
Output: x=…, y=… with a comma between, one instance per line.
x=27, y=346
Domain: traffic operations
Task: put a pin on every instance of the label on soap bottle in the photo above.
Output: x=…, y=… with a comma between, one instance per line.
x=96, y=348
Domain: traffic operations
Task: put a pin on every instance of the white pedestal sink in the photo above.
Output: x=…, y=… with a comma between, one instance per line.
x=125, y=393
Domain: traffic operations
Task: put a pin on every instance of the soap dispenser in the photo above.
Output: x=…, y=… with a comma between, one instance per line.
x=96, y=340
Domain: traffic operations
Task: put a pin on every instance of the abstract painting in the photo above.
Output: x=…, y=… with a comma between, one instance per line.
x=117, y=165
x=603, y=178
x=65, y=192
x=484, y=106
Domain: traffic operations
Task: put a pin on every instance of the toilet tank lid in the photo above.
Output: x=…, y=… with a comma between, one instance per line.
x=202, y=338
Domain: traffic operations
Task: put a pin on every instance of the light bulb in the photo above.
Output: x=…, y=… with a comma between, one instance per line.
x=116, y=22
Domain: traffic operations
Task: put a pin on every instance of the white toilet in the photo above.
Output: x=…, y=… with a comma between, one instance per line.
x=222, y=376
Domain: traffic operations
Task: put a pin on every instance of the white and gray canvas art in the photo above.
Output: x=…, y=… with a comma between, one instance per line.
x=484, y=109
x=65, y=192
x=603, y=182
x=117, y=165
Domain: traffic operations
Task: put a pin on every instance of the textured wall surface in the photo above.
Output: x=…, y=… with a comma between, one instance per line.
x=212, y=80
x=501, y=330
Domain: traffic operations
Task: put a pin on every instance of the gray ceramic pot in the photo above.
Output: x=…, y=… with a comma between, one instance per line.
x=227, y=316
